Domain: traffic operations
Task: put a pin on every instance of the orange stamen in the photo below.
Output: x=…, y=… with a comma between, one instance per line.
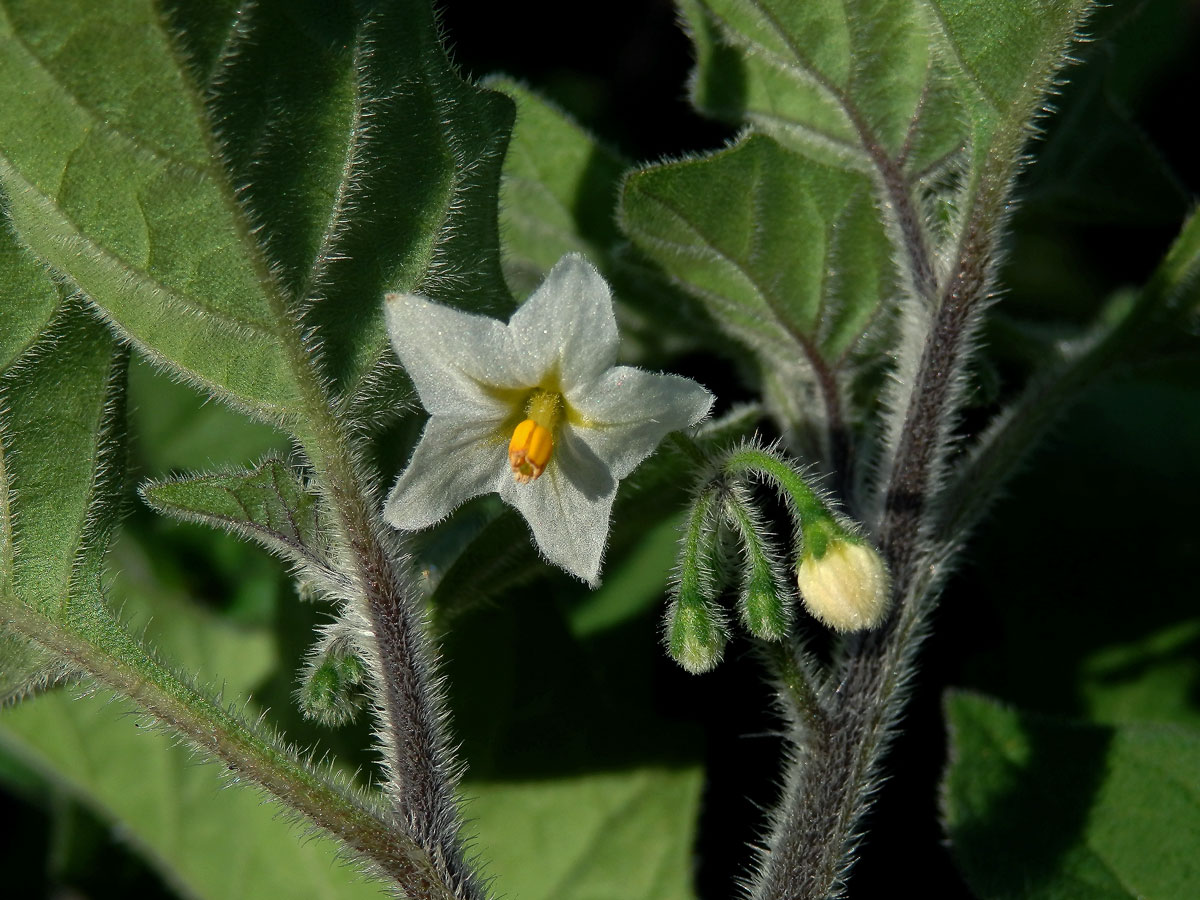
x=529, y=450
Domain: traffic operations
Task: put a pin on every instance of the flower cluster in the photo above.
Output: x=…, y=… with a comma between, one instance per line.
x=535, y=411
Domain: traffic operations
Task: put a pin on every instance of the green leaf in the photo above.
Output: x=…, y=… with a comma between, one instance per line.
x=558, y=191
x=601, y=834
x=559, y=194
x=1126, y=661
x=25, y=668
x=208, y=842
x=115, y=185
x=268, y=503
x=62, y=411
x=28, y=298
x=179, y=429
x=1045, y=808
x=326, y=185
x=888, y=84
x=837, y=80
x=60, y=477
x=371, y=168
x=762, y=235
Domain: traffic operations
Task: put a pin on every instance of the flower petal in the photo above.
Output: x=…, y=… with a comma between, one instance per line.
x=627, y=412
x=451, y=356
x=457, y=459
x=568, y=509
x=566, y=327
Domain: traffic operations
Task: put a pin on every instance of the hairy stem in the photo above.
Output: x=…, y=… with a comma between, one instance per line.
x=418, y=763
x=417, y=760
x=834, y=771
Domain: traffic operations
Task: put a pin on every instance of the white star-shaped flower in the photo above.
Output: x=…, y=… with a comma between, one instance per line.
x=534, y=410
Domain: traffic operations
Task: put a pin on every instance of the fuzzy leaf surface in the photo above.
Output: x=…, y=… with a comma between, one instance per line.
x=267, y=503
x=114, y=183
x=24, y=668
x=61, y=468
x=1038, y=807
x=28, y=298
x=370, y=166
x=765, y=238
x=858, y=82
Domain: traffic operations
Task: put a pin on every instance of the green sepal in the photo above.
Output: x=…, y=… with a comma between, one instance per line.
x=818, y=534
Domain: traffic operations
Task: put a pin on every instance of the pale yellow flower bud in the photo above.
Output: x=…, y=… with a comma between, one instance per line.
x=847, y=588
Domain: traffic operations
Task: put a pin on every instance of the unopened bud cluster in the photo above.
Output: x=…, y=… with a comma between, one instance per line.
x=842, y=581
x=331, y=687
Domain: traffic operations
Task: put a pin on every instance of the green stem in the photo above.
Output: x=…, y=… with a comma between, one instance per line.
x=698, y=538
x=755, y=461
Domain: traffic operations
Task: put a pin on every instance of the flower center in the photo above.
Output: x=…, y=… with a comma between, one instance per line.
x=532, y=442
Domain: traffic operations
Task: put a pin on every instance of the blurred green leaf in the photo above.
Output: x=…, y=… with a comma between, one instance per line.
x=581, y=787
x=176, y=428
x=558, y=191
x=1091, y=139
x=206, y=841
x=633, y=587
x=1045, y=808
x=605, y=834
x=1047, y=565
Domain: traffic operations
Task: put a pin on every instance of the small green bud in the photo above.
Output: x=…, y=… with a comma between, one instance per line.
x=764, y=610
x=330, y=692
x=847, y=586
x=696, y=634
